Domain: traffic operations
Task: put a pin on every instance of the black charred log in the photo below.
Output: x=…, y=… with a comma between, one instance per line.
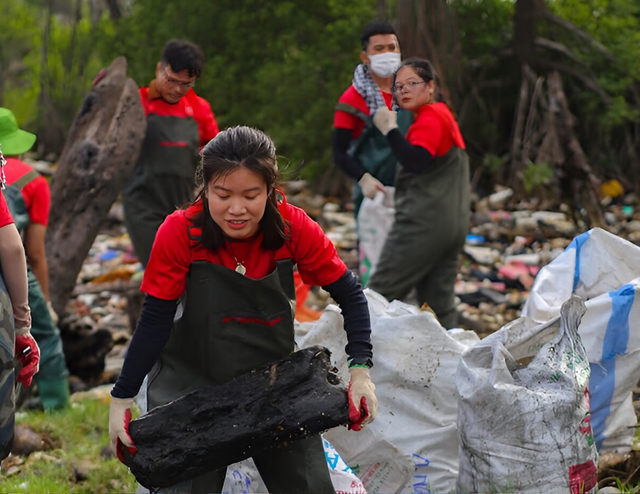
x=218, y=425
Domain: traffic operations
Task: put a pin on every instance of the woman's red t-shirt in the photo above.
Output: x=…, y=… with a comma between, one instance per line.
x=5, y=215
x=174, y=250
x=435, y=129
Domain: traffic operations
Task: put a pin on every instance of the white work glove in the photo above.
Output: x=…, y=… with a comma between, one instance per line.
x=52, y=313
x=370, y=185
x=119, y=418
x=385, y=120
x=363, y=404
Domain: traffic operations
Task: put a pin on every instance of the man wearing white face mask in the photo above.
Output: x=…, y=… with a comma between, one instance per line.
x=359, y=149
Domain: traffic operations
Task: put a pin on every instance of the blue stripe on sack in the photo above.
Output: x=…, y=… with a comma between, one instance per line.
x=603, y=375
x=601, y=386
x=577, y=244
x=617, y=335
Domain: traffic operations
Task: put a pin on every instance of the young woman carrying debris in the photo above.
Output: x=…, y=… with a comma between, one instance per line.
x=226, y=264
x=431, y=197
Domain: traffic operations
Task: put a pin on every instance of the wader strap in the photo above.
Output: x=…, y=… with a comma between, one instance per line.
x=353, y=111
x=25, y=179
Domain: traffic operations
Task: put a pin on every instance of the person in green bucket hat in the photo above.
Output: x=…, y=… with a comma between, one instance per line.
x=28, y=196
x=14, y=140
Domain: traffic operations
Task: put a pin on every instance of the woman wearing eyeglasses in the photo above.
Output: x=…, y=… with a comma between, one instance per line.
x=431, y=198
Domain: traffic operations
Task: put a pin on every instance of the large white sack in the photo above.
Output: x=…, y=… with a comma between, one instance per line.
x=243, y=477
x=412, y=446
x=375, y=219
x=525, y=427
x=604, y=270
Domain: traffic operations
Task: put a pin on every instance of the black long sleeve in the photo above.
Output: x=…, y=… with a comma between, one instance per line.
x=150, y=337
x=412, y=158
x=341, y=140
x=347, y=292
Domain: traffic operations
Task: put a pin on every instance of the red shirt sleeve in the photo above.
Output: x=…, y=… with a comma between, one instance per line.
x=37, y=198
x=344, y=120
x=317, y=259
x=435, y=129
x=205, y=118
x=165, y=276
x=5, y=215
x=426, y=131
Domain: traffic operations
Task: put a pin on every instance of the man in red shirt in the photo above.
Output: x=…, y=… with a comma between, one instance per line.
x=28, y=196
x=358, y=147
x=179, y=123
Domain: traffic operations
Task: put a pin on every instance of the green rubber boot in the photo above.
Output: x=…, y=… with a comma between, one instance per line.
x=54, y=393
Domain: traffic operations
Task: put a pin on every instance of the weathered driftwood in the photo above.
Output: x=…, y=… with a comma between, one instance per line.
x=219, y=425
x=102, y=147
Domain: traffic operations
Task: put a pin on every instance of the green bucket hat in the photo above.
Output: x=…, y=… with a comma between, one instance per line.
x=13, y=140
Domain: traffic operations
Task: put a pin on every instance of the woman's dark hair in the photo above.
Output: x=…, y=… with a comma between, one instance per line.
x=183, y=55
x=424, y=69
x=230, y=150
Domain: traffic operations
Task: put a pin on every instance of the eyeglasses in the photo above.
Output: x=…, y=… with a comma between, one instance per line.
x=183, y=85
x=398, y=87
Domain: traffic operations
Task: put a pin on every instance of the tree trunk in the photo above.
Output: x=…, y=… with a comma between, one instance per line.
x=577, y=174
x=427, y=30
x=114, y=10
x=50, y=129
x=516, y=142
x=218, y=425
x=524, y=23
x=103, y=146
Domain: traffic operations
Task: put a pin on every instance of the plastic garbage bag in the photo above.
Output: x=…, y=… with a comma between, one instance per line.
x=525, y=427
x=375, y=218
x=604, y=270
x=411, y=447
x=243, y=477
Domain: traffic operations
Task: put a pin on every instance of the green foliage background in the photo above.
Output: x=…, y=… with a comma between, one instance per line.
x=282, y=65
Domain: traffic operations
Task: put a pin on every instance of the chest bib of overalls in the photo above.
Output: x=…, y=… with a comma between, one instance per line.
x=230, y=325
x=170, y=147
x=163, y=180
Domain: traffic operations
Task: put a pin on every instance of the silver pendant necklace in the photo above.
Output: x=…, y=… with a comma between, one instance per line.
x=239, y=264
x=240, y=267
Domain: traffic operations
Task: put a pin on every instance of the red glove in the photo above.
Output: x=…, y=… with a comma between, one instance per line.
x=119, y=418
x=363, y=404
x=30, y=360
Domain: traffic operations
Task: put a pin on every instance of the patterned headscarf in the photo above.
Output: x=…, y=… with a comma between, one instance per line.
x=366, y=86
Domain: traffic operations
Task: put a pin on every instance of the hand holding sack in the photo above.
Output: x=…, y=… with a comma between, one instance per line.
x=30, y=359
x=385, y=120
x=370, y=185
x=363, y=404
x=119, y=418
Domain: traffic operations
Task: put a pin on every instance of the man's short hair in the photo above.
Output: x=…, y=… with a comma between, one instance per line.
x=183, y=55
x=373, y=28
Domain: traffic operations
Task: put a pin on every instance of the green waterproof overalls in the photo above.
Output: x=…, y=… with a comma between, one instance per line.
x=230, y=325
x=431, y=224
x=51, y=379
x=163, y=180
x=372, y=151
